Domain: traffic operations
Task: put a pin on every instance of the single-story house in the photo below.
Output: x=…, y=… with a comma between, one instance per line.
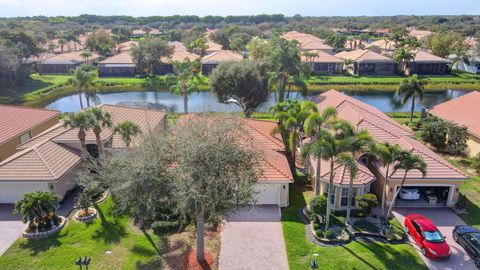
x=473, y=63
x=463, y=111
x=440, y=186
x=20, y=124
x=324, y=63
x=125, y=46
x=178, y=55
x=63, y=63
x=308, y=42
x=121, y=64
x=50, y=160
x=366, y=62
x=138, y=33
x=212, y=47
x=426, y=63
x=209, y=62
x=421, y=35
x=381, y=46
x=273, y=183
x=179, y=46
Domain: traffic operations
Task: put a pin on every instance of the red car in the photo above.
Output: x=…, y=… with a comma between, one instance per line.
x=427, y=236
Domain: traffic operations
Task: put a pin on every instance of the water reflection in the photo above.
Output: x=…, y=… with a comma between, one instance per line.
x=206, y=101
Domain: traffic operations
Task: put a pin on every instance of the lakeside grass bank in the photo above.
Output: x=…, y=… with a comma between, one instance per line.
x=41, y=90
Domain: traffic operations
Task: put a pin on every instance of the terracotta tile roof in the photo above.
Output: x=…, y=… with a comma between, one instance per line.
x=274, y=163
x=342, y=174
x=307, y=41
x=126, y=46
x=381, y=43
x=462, y=111
x=68, y=58
x=180, y=56
x=322, y=57
x=221, y=56
x=213, y=47
x=384, y=129
x=48, y=156
x=124, y=57
x=315, y=45
x=178, y=45
x=363, y=56
x=14, y=121
x=422, y=56
x=420, y=34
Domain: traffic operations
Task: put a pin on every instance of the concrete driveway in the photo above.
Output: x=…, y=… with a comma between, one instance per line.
x=445, y=219
x=253, y=239
x=11, y=227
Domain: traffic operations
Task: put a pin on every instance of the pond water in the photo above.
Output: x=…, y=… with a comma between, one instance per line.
x=206, y=101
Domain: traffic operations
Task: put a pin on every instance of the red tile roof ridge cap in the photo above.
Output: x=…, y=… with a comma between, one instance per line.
x=35, y=149
x=269, y=136
x=434, y=157
x=133, y=108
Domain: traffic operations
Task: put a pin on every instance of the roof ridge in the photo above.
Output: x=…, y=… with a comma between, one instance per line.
x=269, y=137
x=29, y=108
x=43, y=161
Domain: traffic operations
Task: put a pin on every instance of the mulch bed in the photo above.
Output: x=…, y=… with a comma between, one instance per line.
x=192, y=263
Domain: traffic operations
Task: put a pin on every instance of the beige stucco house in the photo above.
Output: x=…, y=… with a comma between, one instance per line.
x=50, y=160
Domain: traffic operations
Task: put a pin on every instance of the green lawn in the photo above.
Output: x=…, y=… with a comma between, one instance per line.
x=471, y=190
x=131, y=249
x=356, y=255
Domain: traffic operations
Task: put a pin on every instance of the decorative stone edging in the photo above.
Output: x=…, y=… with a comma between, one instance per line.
x=40, y=235
x=314, y=238
x=88, y=218
x=103, y=198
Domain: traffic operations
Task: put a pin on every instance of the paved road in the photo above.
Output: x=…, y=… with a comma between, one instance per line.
x=11, y=227
x=445, y=219
x=253, y=239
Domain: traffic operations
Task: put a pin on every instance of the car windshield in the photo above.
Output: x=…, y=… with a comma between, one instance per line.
x=435, y=237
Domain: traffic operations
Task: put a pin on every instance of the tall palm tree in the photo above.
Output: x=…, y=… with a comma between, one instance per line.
x=387, y=153
x=188, y=79
x=81, y=121
x=62, y=43
x=403, y=56
x=328, y=145
x=291, y=115
x=314, y=123
x=406, y=161
x=91, y=74
x=78, y=79
x=100, y=119
x=350, y=162
x=85, y=55
x=128, y=130
x=359, y=141
x=411, y=88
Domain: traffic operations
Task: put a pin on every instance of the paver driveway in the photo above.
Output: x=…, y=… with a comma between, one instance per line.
x=253, y=239
x=11, y=227
x=445, y=219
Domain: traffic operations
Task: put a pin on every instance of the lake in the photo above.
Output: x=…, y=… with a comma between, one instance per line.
x=206, y=101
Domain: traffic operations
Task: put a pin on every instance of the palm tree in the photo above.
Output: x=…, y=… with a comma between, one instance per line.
x=328, y=145
x=291, y=115
x=36, y=207
x=350, y=162
x=188, y=79
x=100, y=119
x=78, y=79
x=314, y=123
x=403, y=56
x=85, y=55
x=91, y=74
x=81, y=121
x=62, y=43
x=298, y=81
x=406, y=161
x=359, y=140
x=411, y=88
x=127, y=130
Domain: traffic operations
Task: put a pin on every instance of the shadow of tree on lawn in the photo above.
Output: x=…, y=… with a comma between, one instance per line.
x=109, y=231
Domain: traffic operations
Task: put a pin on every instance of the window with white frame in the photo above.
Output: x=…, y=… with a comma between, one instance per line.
x=344, y=197
x=25, y=137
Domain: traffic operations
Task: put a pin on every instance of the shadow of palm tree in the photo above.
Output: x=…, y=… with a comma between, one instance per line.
x=371, y=266
x=36, y=246
x=110, y=232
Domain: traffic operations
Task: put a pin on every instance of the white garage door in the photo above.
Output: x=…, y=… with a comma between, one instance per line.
x=267, y=194
x=11, y=192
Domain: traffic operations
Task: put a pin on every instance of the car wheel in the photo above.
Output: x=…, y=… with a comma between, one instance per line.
x=455, y=236
x=477, y=262
x=424, y=252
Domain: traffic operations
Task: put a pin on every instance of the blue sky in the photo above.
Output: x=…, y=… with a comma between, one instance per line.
x=11, y=8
